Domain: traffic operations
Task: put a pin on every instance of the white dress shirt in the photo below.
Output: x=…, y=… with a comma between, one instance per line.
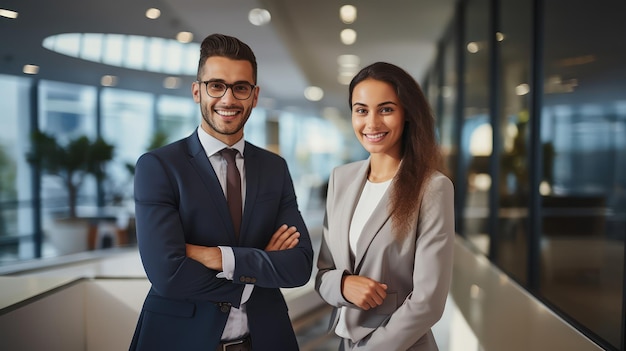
x=237, y=324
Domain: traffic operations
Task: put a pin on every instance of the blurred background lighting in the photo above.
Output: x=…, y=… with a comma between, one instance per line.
x=259, y=17
x=153, y=13
x=348, y=36
x=347, y=13
x=313, y=93
x=30, y=69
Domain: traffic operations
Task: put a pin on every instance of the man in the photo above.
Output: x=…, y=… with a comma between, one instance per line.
x=216, y=273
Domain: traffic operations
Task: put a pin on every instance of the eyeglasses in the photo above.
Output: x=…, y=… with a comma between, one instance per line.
x=216, y=89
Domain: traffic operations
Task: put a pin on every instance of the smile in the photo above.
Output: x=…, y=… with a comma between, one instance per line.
x=226, y=113
x=375, y=137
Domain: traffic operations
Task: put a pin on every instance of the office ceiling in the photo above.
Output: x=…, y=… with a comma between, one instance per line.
x=298, y=48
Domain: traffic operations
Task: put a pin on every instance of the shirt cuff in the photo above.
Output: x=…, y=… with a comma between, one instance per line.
x=228, y=263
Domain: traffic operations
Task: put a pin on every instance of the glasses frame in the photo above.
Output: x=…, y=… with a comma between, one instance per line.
x=228, y=86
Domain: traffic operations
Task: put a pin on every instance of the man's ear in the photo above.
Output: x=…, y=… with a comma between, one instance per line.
x=196, y=92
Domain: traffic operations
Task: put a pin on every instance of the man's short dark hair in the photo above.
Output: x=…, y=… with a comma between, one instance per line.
x=226, y=46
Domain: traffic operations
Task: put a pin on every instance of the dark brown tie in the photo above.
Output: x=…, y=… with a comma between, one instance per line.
x=233, y=188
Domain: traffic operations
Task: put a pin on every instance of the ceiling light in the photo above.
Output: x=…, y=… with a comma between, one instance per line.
x=259, y=17
x=8, y=13
x=348, y=60
x=472, y=47
x=108, y=81
x=348, y=36
x=30, y=69
x=348, y=68
x=499, y=36
x=522, y=89
x=313, y=93
x=347, y=13
x=171, y=83
x=153, y=13
x=184, y=37
x=344, y=78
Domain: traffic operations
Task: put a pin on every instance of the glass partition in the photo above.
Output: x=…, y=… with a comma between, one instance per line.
x=476, y=135
x=584, y=195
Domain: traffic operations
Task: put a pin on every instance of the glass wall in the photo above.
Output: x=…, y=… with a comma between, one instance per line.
x=16, y=215
x=514, y=44
x=584, y=136
x=476, y=137
x=556, y=109
x=36, y=198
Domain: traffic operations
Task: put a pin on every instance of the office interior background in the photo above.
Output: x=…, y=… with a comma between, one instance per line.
x=530, y=99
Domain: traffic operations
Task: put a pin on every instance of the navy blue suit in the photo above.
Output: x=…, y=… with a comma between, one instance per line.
x=179, y=200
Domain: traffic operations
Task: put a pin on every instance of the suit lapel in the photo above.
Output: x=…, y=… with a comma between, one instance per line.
x=252, y=174
x=201, y=163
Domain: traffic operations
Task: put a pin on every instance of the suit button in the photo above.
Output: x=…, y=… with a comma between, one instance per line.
x=224, y=307
x=248, y=279
x=242, y=279
x=253, y=280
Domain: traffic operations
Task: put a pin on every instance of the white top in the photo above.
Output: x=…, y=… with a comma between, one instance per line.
x=370, y=197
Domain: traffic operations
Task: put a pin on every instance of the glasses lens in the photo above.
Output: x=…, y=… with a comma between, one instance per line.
x=215, y=89
x=242, y=91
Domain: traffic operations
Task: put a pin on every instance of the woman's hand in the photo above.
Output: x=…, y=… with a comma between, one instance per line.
x=362, y=291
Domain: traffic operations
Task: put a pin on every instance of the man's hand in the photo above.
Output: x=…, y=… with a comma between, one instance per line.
x=211, y=257
x=362, y=291
x=284, y=238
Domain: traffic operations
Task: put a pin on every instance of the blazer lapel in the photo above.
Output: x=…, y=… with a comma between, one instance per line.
x=372, y=227
x=201, y=163
x=347, y=207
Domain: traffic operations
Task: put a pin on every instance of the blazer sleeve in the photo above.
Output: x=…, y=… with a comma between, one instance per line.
x=432, y=272
x=283, y=268
x=161, y=239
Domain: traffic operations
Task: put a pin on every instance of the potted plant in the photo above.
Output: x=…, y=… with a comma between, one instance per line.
x=71, y=162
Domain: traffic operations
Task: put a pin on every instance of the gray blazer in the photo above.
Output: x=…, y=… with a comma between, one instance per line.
x=416, y=266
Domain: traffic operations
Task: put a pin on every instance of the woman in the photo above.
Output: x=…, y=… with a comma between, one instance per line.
x=385, y=261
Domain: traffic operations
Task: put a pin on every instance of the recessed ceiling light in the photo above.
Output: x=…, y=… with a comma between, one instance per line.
x=30, y=69
x=8, y=13
x=344, y=78
x=171, y=83
x=522, y=89
x=313, y=93
x=259, y=17
x=347, y=13
x=348, y=60
x=473, y=47
x=184, y=37
x=108, y=81
x=348, y=36
x=153, y=13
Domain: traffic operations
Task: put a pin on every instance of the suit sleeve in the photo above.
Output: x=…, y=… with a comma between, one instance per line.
x=161, y=239
x=278, y=269
x=432, y=272
x=328, y=279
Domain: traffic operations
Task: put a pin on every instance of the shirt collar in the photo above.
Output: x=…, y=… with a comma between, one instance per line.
x=212, y=146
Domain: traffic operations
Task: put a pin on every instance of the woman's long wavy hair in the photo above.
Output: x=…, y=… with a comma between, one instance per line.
x=420, y=153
